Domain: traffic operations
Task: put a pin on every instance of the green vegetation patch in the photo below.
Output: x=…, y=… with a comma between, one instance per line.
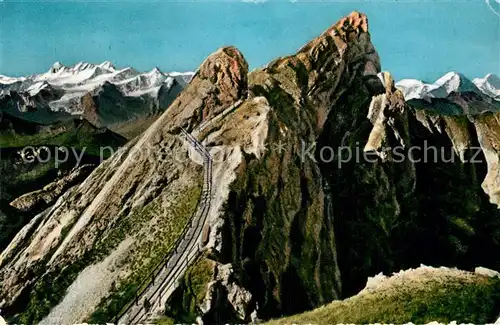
x=80, y=136
x=150, y=252
x=147, y=254
x=477, y=302
x=182, y=306
x=198, y=276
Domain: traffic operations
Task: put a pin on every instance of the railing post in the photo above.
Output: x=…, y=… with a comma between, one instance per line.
x=204, y=203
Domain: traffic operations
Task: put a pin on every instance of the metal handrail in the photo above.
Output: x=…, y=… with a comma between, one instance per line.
x=205, y=198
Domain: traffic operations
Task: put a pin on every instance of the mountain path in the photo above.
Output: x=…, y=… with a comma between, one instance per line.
x=187, y=249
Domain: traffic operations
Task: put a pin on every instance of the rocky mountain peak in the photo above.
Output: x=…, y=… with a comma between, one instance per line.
x=155, y=70
x=56, y=67
x=220, y=81
x=452, y=82
x=489, y=85
x=355, y=21
x=226, y=69
x=346, y=30
x=324, y=68
x=493, y=78
x=386, y=113
x=107, y=65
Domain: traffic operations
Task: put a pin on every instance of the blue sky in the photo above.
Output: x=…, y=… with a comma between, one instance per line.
x=416, y=39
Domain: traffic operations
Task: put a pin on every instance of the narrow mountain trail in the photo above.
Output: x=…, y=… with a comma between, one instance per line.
x=187, y=249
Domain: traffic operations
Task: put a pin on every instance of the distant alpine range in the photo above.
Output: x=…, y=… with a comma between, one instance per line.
x=101, y=92
x=105, y=95
x=454, y=94
x=450, y=82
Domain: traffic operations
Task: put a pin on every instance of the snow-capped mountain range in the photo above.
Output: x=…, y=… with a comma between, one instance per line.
x=115, y=95
x=454, y=94
x=448, y=84
x=489, y=85
x=61, y=88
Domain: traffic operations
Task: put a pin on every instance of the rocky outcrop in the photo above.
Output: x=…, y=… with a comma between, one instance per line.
x=45, y=197
x=488, y=133
x=220, y=82
x=388, y=114
x=224, y=288
x=209, y=292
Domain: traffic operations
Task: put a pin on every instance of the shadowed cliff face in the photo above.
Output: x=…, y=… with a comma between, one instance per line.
x=393, y=213
x=278, y=232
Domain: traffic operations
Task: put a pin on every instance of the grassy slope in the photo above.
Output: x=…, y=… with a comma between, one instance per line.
x=51, y=288
x=133, y=128
x=183, y=305
x=413, y=300
x=78, y=135
x=17, y=177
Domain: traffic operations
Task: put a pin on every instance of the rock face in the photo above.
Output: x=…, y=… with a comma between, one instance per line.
x=416, y=195
x=278, y=228
x=45, y=197
x=309, y=198
x=116, y=226
x=220, y=82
